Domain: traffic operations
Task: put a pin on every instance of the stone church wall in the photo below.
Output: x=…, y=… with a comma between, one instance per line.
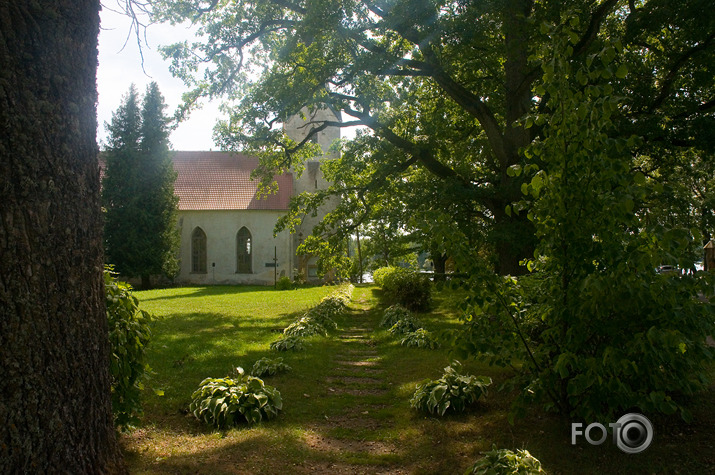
x=221, y=229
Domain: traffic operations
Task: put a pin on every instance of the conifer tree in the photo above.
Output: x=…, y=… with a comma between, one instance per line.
x=141, y=237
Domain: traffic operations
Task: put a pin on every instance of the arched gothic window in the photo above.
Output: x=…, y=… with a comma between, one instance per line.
x=198, y=251
x=243, y=251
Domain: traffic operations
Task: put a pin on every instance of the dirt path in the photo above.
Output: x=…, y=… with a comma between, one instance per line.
x=357, y=376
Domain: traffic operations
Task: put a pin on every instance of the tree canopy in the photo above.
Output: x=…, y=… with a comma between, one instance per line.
x=445, y=88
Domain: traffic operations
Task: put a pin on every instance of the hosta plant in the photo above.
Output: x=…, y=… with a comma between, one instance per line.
x=453, y=391
x=393, y=314
x=269, y=367
x=506, y=462
x=289, y=343
x=322, y=316
x=306, y=326
x=316, y=321
x=225, y=402
x=404, y=326
x=331, y=306
x=420, y=338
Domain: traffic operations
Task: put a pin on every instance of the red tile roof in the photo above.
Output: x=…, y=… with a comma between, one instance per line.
x=222, y=181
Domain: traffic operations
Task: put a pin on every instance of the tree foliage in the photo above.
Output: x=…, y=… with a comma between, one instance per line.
x=141, y=235
x=444, y=89
x=598, y=329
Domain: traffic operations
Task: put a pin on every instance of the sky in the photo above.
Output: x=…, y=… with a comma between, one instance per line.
x=120, y=65
x=118, y=68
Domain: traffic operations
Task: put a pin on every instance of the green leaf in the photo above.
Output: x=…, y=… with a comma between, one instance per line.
x=622, y=71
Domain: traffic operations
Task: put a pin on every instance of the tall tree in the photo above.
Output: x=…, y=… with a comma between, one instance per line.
x=449, y=85
x=138, y=190
x=55, y=408
x=597, y=329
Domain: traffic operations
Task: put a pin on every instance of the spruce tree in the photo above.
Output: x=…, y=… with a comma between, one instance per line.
x=141, y=237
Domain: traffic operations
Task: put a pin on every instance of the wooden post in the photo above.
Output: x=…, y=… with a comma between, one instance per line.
x=359, y=253
x=709, y=261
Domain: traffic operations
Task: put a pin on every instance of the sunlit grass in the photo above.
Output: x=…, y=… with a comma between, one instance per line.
x=208, y=331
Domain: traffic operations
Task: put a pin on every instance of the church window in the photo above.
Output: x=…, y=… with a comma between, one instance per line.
x=198, y=251
x=244, y=251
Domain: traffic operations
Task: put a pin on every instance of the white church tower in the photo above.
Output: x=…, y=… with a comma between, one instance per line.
x=312, y=179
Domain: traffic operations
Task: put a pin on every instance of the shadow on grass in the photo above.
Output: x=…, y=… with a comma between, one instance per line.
x=300, y=441
x=212, y=290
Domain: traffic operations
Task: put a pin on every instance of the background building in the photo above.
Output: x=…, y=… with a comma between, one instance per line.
x=226, y=231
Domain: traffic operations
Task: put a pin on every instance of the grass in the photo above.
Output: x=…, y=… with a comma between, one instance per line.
x=346, y=401
x=208, y=331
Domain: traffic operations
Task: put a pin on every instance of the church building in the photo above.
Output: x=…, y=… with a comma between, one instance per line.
x=227, y=231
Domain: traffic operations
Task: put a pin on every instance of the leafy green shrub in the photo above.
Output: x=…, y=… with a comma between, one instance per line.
x=407, y=287
x=129, y=334
x=284, y=283
x=224, y=402
x=393, y=314
x=306, y=326
x=289, y=343
x=404, y=326
x=382, y=275
x=420, y=338
x=506, y=462
x=269, y=367
x=453, y=391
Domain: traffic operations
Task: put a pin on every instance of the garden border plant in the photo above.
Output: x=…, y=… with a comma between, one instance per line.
x=506, y=462
x=393, y=314
x=399, y=321
x=269, y=367
x=453, y=391
x=316, y=321
x=420, y=338
x=289, y=343
x=129, y=332
x=404, y=326
x=224, y=402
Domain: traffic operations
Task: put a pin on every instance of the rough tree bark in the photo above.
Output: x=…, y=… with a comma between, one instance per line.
x=55, y=408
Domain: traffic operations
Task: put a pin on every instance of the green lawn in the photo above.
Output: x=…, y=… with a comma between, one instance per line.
x=346, y=401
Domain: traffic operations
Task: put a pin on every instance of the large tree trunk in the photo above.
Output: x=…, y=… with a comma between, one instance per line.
x=55, y=408
x=440, y=265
